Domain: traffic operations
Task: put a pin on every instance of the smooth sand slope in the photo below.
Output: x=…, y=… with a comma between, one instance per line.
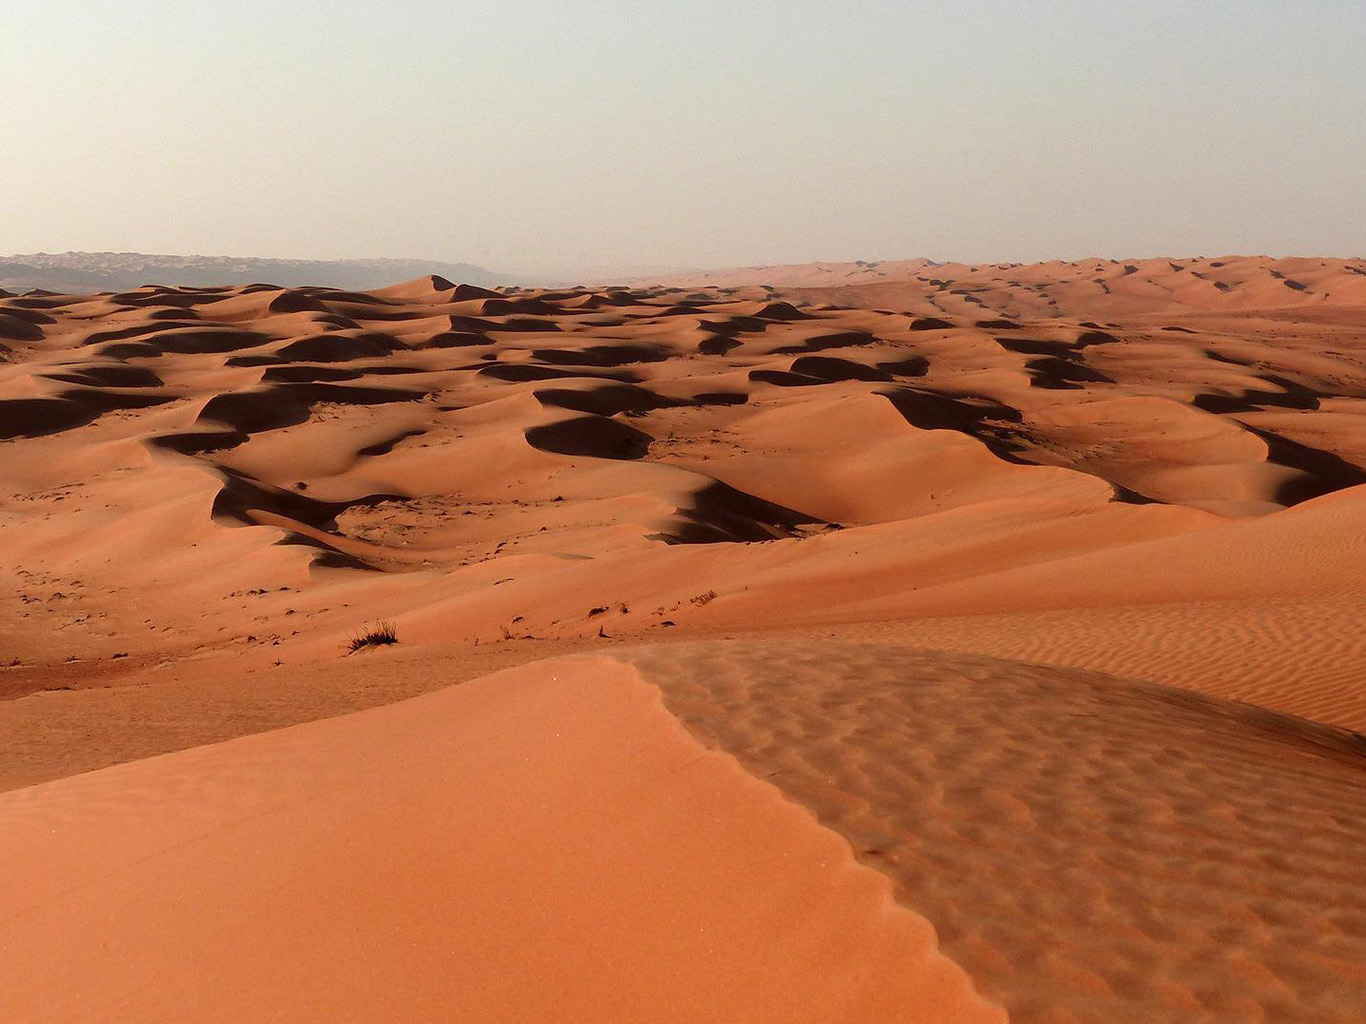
x=549, y=844
x=546, y=846
x=926, y=503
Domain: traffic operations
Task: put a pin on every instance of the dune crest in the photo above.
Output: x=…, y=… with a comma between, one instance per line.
x=1088, y=287
x=548, y=845
x=1088, y=848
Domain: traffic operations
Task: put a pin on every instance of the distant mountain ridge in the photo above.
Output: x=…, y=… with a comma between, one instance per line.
x=77, y=272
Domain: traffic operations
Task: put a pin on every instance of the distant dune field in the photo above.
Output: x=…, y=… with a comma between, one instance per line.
x=848, y=642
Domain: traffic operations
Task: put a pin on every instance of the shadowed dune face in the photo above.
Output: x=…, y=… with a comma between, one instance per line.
x=593, y=436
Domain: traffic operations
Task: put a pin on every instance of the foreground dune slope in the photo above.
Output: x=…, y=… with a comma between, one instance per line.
x=543, y=845
x=1090, y=849
x=991, y=840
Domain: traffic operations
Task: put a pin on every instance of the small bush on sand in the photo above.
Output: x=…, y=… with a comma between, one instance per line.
x=382, y=632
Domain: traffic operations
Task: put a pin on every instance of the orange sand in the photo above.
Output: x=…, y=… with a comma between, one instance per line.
x=549, y=846
x=1152, y=469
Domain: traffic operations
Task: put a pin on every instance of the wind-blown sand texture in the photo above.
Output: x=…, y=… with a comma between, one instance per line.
x=929, y=505
x=1089, y=848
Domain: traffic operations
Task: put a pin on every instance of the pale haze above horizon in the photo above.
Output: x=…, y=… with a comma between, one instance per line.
x=555, y=137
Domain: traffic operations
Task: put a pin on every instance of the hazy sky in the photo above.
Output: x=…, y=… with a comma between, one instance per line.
x=545, y=135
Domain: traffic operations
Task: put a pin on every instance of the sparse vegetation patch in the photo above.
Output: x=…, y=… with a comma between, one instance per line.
x=378, y=635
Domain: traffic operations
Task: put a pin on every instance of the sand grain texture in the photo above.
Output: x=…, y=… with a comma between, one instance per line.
x=1089, y=848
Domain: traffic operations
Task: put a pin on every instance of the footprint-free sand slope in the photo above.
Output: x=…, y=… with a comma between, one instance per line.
x=544, y=845
x=1088, y=848
x=989, y=838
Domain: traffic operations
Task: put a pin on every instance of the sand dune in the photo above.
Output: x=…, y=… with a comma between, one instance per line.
x=548, y=844
x=1088, y=848
x=547, y=847
x=176, y=457
x=928, y=502
x=1100, y=287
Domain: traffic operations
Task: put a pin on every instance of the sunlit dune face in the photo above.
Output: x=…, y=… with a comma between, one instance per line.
x=434, y=432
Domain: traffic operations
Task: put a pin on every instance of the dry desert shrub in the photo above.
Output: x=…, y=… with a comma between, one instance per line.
x=381, y=633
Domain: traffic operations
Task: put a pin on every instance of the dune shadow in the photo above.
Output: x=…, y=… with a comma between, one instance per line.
x=339, y=347
x=828, y=368
x=605, y=400
x=986, y=420
x=721, y=514
x=592, y=436
x=601, y=355
x=822, y=342
x=1059, y=374
x=521, y=373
